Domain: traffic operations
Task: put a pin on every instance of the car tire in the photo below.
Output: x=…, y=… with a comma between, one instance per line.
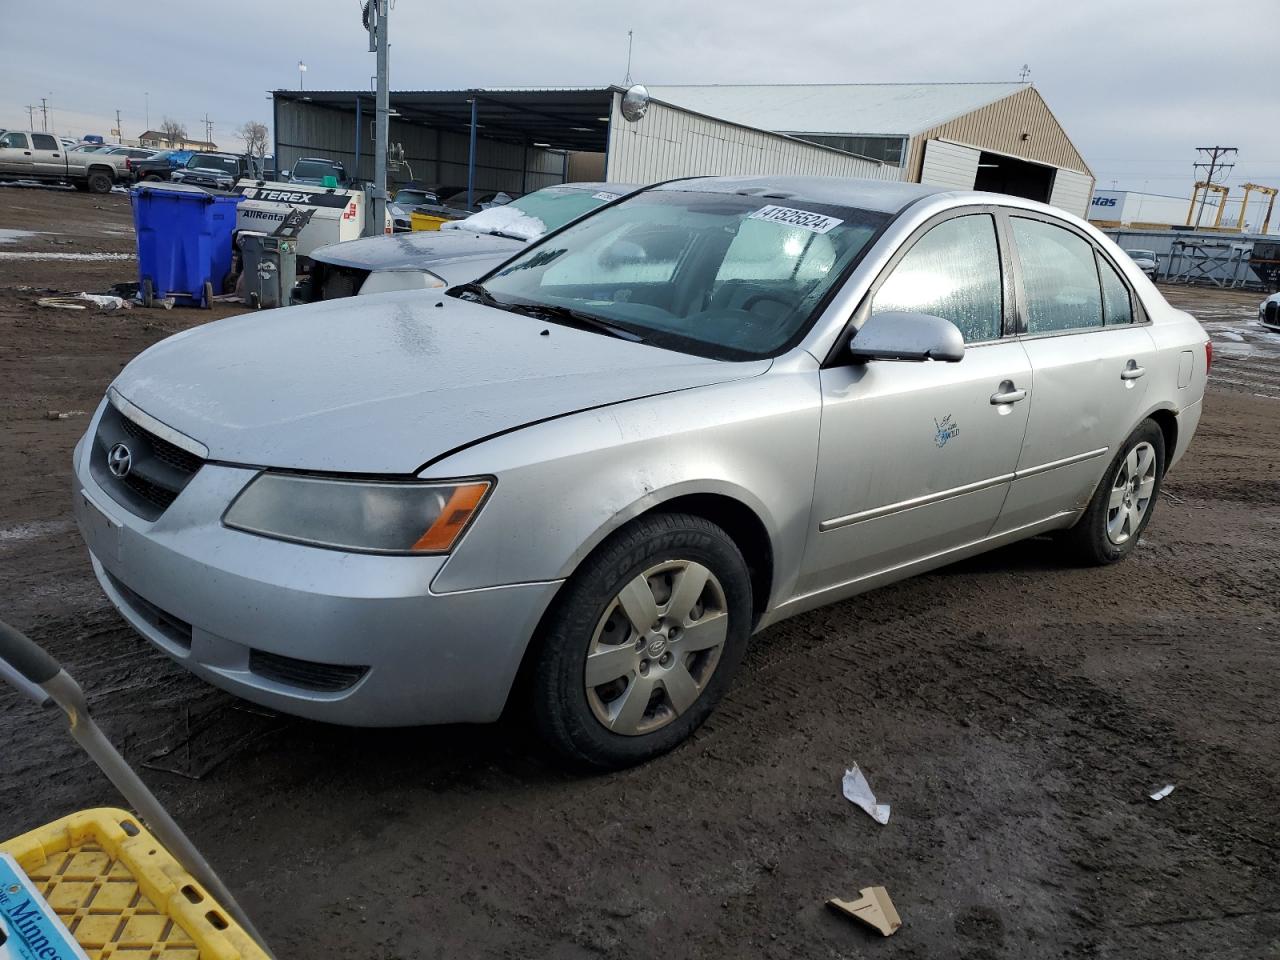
x=80, y=185
x=661, y=681
x=151, y=178
x=99, y=181
x=1121, y=507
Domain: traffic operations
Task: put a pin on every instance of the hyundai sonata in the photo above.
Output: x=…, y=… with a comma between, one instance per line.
x=591, y=475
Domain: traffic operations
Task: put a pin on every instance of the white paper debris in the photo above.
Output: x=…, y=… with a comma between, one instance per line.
x=857, y=791
x=1162, y=792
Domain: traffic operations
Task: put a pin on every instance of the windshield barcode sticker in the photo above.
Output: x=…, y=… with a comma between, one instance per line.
x=813, y=222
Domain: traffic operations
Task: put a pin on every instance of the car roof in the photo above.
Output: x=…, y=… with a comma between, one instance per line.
x=882, y=196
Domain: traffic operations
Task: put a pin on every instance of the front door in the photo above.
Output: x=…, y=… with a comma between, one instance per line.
x=15, y=155
x=1090, y=349
x=916, y=458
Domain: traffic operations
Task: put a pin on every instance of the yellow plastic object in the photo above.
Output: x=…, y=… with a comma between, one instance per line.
x=426, y=221
x=121, y=894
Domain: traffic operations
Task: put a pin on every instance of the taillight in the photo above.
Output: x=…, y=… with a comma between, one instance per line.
x=1208, y=355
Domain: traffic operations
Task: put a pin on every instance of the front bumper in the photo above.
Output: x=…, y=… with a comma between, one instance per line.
x=232, y=607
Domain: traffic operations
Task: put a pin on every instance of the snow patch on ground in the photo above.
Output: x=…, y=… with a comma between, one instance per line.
x=24, y=255
x=10, y=236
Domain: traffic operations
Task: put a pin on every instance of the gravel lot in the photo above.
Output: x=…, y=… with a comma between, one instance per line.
x=1015, y=712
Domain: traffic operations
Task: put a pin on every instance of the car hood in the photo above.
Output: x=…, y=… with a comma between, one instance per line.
x=416, y=250
x=383, y=384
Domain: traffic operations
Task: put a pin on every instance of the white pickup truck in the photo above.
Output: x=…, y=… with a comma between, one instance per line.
x=31, y=155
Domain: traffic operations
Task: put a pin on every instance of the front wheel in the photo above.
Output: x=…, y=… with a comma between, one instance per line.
x=1122, y=505
x=642, y=643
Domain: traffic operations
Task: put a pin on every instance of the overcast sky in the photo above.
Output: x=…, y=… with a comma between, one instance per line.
x=1138, y=84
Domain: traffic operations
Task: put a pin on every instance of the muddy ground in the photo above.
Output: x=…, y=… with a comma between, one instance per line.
x=1015, y=712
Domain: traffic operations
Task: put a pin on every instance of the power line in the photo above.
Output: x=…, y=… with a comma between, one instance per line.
x=1212, y=165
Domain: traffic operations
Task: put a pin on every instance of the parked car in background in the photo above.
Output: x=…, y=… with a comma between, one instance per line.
x=313, y=171
x=33, y=155
x=461, y=250
x=1147, y=262
x=712, y=405
x=158, y=166
x=214, y=171
x=1269, y=311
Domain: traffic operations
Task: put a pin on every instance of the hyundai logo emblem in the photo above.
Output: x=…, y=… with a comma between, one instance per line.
x=119, y=461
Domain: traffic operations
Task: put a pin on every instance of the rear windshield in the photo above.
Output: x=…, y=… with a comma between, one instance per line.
x=556, y=206
x=208, y=161
x=314, y=170
x=720, y=275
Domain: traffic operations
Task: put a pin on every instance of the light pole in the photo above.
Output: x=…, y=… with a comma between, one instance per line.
x=302, y=68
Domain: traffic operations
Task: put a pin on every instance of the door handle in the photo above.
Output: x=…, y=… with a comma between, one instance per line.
x=26, y=153
x=1007, y=393
x=1132, y=371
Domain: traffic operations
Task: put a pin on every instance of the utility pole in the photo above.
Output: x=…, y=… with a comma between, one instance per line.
x=630, y=37
x=1213, y=165
x=31, y=116
x=147, y=97
x=119, y=130
x=44, y=114
x=376, y=21
x=208, y=130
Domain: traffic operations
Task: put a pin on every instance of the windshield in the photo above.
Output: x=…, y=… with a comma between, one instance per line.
x=208, y=161
x=413, y=198
x=720, y=275
x=314, y=170
x=1141, y=254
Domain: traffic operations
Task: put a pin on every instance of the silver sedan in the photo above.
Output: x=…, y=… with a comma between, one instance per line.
x=591, y=476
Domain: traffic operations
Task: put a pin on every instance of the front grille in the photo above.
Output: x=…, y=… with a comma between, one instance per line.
x=158, y=469
x=320, y=677
x=173, y=628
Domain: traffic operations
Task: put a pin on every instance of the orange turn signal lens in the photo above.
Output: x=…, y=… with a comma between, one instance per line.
x=457, y=513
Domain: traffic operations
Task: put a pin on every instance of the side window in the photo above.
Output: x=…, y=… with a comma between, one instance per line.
x=17, y=141
x=1059, y=277
x=952, y=272
x=43, y=141
x=1116, y=305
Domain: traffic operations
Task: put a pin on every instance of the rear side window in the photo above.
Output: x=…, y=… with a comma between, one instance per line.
x=1116, y=305
x=952, y=272
x=43, y=141
x=1059, y=277
x=17, y=141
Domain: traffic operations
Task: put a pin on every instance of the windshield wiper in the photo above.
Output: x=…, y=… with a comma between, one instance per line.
x=478, y=294
x=574, y=318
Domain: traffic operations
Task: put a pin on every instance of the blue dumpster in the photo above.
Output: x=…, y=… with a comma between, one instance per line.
x=184, y=240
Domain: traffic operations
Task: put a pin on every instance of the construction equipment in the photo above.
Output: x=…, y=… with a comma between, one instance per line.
x=117, y=887
x=1244, y=204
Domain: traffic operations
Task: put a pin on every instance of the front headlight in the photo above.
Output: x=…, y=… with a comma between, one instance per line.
x=361, y=516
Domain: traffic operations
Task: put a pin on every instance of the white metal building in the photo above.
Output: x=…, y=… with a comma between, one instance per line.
x=987, y=136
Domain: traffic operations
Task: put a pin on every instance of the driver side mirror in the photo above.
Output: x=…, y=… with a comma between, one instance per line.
x=907, y=336
x=285, y=174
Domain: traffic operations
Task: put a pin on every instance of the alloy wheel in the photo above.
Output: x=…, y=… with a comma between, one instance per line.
x=656, y=647
x=1131, y=491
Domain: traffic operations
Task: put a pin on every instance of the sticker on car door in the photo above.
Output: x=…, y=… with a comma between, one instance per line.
x=790, y=217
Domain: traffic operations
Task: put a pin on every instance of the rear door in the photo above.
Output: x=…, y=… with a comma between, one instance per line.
x=1088, y=341
x=47, y=156
x=915, y=459
x=15, y=155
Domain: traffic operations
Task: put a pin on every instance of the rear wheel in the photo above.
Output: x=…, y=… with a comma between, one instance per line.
x=80, y=185
x=642, y=643
x=99, y=181
x=1122, y=505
